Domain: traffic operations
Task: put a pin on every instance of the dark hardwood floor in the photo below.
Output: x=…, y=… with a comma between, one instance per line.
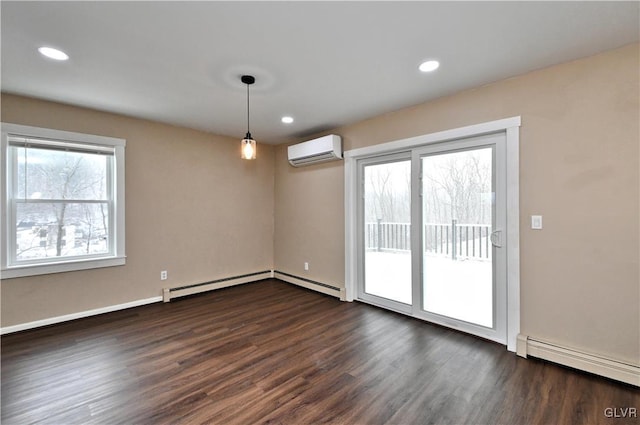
x=270, y=352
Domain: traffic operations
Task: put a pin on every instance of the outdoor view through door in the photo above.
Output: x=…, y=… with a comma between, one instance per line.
x=431, y=229
x=457, y=217
x=387, y=233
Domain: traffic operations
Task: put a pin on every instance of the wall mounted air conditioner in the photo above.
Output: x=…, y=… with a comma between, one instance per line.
x=327, y=148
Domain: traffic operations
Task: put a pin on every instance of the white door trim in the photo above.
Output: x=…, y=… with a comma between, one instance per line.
x=510, y=126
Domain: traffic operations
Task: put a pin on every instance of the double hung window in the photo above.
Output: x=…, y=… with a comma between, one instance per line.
x=63, y=201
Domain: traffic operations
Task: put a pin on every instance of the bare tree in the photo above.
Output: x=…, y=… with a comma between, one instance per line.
x=59, y=177
x=388, y=192
x=458, y=182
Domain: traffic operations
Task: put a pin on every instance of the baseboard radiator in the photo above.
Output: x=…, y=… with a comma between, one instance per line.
x=602, y=366
x=170, y=293
x=310, y=284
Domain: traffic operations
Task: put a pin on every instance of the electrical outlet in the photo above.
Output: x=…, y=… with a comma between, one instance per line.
x=306, y=266
x=163, y=275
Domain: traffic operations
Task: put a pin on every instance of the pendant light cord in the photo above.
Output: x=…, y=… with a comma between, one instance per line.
x=248, y=129
x=248, y=80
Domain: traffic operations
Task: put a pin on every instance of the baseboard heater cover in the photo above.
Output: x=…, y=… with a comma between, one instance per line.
x=609, y=368
x=181, y=291
x=310, y=284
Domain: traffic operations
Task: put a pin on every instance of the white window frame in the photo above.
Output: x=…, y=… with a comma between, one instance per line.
x=511, y=128
x=117, y=255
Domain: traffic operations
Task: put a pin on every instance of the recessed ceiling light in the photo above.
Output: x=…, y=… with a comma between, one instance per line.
x=429, y=66
x=52, y=53
x=287, y=120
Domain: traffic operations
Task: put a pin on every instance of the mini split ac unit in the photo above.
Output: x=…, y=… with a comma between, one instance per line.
x=327, y=148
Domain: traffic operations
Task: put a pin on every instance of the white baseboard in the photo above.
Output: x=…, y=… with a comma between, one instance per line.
x=168, y=294
x=79, y=315
x=310, y=284
x=606, y=367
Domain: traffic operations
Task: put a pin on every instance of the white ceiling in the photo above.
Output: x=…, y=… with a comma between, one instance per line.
x=324, y=63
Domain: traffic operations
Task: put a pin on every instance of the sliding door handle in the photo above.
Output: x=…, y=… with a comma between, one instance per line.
x=496, y=238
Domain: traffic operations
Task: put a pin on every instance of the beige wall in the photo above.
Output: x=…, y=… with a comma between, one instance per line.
x=579, y=161
x=193, y=208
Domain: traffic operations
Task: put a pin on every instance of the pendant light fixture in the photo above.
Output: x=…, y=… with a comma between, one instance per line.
x=248, y=145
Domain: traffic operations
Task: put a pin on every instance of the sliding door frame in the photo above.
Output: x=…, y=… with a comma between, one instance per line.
x=510, y=128
x=496, y=142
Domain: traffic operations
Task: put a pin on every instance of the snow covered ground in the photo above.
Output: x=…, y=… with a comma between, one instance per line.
x=461, y=289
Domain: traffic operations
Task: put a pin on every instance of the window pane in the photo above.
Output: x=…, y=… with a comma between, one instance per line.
x=457, y=207
x=46, y=230
x=387, y=230
x=55, y=174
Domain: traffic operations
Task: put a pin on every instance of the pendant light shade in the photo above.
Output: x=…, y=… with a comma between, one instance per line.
x=248, y=145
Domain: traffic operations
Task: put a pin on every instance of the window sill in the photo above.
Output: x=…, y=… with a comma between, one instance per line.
x=39, y=269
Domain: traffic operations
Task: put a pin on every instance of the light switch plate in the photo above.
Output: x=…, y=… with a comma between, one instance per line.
x=536, y=222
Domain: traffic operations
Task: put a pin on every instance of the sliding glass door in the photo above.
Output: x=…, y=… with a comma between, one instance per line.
x=457, y=224
x=386, y=231
x=431, y=224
